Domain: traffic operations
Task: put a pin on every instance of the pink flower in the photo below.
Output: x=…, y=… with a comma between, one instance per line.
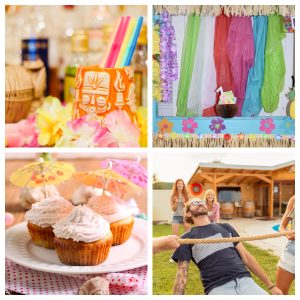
x=79, y=123
x=100, y=134
x=121, y=132
x=9, y=219
x=189, y=125
x=82, y=133
x=117, y=131
x=22, y=134
x=267, y=125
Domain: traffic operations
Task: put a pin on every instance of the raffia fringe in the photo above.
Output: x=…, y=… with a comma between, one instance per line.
x=229, y=10
x=193, y=142
x=235, y=239
x=20, y=95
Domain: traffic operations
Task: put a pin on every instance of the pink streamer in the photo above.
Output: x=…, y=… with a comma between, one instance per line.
x=240, y=51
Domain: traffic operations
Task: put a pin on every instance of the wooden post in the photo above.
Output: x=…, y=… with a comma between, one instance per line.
x=270, y=202
x=215, y=184
x=280, y=197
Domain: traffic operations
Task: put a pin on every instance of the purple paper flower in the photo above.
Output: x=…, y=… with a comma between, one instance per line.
x=217, y=125
x=168, y=56
x=189, y=125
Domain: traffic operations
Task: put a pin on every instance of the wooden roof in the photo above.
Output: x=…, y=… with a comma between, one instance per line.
x=246, y=167
x=237, y=174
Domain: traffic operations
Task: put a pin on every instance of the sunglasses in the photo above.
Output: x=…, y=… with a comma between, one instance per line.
x=198, y=203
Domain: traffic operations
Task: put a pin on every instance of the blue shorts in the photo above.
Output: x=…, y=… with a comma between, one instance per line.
x=239, y=286
x=177, y=220
x=287, y=259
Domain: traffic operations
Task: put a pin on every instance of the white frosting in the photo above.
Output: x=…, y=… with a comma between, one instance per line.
x=48, y=211
x=83, y=193
x=82, y=225
x=28, y=196
x=108, y=207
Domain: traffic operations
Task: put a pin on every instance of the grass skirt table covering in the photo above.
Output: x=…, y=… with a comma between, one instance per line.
x=264, y=131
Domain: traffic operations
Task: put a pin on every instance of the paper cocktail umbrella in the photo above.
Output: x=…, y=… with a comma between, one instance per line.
x=108, y=180
x=42, y=173
x=130, y=169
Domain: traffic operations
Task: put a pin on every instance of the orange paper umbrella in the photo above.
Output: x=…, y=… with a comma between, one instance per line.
x=108, y=180
x=42, y=173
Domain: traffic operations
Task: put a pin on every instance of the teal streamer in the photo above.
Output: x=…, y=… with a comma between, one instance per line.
x=252, y=103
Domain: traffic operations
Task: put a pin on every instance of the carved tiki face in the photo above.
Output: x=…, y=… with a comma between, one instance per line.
x=100, y=91
x=95, y=93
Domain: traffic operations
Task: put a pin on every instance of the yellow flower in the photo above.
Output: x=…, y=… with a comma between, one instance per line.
x=156, y=40
x=52, y=120
x=142, y=123
x=252, y=136
x=156, y=67
x=156, y=81
x=173, y=135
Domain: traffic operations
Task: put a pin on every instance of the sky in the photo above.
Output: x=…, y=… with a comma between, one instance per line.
x=170, y=166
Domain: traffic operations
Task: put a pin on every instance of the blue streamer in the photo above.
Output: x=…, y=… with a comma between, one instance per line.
x=252, y=103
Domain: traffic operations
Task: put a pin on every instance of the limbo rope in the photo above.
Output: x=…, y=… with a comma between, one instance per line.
x=236, y=239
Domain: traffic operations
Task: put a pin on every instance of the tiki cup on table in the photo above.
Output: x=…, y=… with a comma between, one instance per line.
x=100, y=91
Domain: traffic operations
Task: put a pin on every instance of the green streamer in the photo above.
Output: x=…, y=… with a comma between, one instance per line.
x=187, y=64
x=274, y=73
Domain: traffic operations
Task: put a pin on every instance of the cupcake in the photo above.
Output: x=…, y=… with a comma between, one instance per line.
x=118, y=215
x=42, y=216
x=28, y=196
x=83, y=193
x=83, y=238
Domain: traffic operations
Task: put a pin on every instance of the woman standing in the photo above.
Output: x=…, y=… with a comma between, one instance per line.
x=286, y=267
x=213, y=206
x=179, y=197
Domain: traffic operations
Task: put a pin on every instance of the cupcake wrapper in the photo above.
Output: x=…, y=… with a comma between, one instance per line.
x=82, y=254
x=121, y=231
x=43, y=237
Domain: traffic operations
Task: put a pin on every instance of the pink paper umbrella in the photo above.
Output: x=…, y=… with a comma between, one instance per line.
x=130, y=169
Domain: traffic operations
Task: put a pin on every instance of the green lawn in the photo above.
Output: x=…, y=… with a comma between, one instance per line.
x=164, y=272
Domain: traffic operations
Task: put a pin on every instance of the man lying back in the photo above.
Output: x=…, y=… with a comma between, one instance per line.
x=223, y=267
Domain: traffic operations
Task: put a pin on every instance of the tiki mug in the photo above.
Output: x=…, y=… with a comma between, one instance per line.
x=100, y=91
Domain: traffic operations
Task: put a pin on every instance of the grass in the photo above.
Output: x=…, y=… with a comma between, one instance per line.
x=164, y=272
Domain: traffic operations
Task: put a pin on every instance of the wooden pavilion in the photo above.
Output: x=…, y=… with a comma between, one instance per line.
x=268, y=187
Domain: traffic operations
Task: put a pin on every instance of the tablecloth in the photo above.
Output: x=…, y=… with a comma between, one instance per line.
x=31, y=282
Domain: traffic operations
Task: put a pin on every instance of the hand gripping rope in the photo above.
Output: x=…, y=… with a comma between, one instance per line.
x=236, y=239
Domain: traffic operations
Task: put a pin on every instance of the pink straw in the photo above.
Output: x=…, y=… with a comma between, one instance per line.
x=118, y=43
x=109, y=45
x=113, y=46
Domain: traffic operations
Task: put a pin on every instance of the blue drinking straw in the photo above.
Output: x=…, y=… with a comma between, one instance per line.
x=133, y=42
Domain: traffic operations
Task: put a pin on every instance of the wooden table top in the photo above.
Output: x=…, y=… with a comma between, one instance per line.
x=66, y=189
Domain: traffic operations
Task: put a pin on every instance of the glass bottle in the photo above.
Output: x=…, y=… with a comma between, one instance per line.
x=79, y=57
x=35, y=40
x=95, y=17
x=140, y=68
x=13, y=34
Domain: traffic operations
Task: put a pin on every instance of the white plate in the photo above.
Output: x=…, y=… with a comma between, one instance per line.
x=132, y=254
